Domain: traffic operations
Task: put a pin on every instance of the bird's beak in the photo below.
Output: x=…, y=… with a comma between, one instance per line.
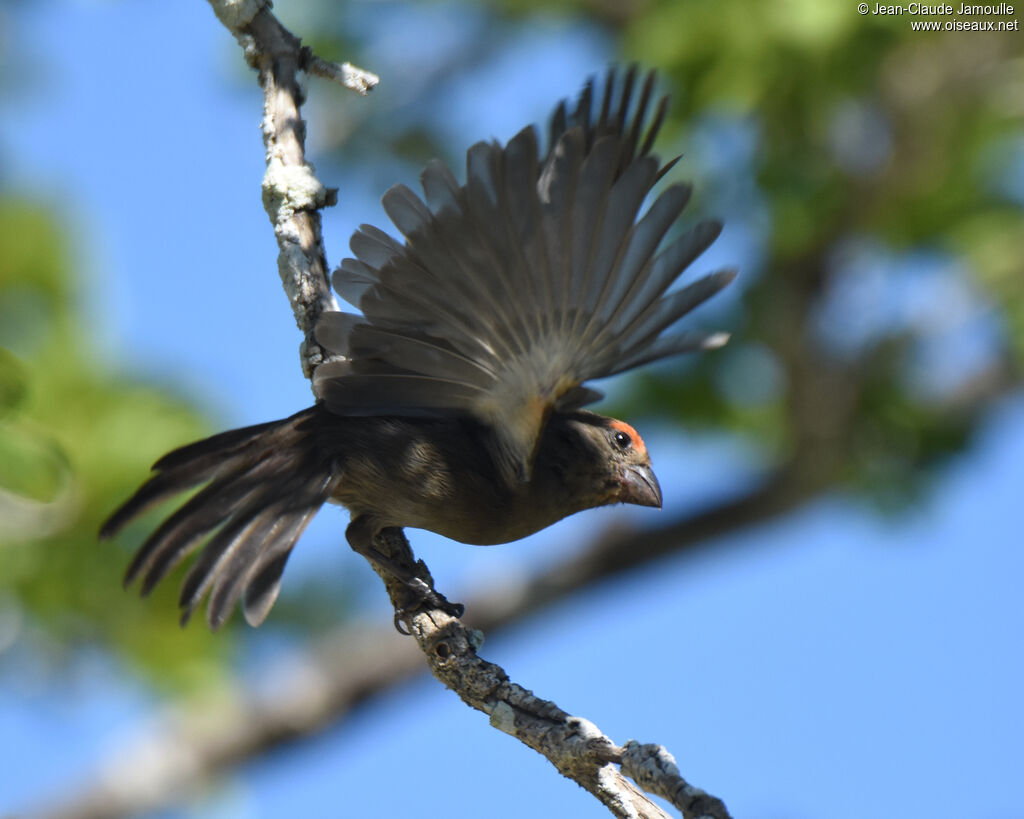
x=640, y=486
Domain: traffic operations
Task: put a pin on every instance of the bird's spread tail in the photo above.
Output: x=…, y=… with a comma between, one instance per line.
x=261, y=486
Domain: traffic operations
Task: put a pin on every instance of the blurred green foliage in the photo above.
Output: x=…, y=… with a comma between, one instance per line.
x=74, y=440
x=876, y=149
x=872, y=173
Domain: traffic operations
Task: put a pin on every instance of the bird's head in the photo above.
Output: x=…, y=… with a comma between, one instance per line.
x=600, y=460
x=632, y=476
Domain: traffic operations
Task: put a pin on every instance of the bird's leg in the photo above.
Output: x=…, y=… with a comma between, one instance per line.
x=363, y=535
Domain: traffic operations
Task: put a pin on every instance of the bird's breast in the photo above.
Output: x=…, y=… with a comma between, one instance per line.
x=436, y=475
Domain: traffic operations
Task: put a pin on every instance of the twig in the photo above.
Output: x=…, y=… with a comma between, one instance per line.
x=292, y=194
x=575, y=746
x=348, y=75
x=360, y=661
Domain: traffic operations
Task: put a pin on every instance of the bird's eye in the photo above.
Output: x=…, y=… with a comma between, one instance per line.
x=622, y=440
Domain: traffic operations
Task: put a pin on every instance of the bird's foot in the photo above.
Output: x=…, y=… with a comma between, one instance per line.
x=425, y=597
x=399, y=563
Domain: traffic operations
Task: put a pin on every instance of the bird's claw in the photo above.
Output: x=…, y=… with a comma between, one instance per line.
x=426, y=598
x=398, y=561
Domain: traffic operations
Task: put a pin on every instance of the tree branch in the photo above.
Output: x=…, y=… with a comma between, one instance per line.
x=293, y=196
x=190, y=744
x=573, y=745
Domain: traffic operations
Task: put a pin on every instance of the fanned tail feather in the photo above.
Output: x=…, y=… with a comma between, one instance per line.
x=261, y=486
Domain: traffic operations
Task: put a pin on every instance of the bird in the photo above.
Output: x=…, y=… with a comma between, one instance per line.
x=453, y=401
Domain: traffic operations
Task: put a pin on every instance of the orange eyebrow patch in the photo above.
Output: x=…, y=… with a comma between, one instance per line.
x=634, y=436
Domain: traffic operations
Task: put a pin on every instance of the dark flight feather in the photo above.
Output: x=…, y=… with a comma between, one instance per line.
x=255, y=502
x=531, y=278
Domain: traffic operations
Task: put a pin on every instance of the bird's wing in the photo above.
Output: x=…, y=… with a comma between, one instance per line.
x=513, y=289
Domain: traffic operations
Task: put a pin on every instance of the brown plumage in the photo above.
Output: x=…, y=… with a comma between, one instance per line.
x=456, y=406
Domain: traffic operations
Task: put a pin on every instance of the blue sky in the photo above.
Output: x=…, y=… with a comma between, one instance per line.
x=828, y=664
